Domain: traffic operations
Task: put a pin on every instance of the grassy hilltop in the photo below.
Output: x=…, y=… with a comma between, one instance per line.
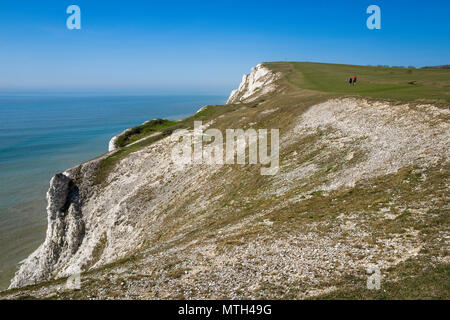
x=403, y=84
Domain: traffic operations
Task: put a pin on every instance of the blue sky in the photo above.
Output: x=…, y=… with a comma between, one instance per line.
x=205, y=46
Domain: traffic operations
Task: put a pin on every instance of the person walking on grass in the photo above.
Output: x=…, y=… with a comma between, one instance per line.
x=350, y=81
x=354, y=80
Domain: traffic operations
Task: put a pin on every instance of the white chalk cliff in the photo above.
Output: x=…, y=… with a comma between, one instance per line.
x=254, y=85
x=65, y=233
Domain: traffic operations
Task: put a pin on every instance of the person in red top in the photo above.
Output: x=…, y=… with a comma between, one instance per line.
x=354, y=80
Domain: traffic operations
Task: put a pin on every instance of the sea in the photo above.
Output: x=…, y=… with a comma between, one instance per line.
x=44, y=134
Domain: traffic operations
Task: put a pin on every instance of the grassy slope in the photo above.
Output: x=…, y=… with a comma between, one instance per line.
x=142, y=131
x=306, y=84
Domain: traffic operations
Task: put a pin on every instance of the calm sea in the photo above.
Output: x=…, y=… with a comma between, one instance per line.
x=44, y=135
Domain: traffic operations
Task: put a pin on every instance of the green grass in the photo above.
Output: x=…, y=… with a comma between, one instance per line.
x=403, y=84
x=142, y=131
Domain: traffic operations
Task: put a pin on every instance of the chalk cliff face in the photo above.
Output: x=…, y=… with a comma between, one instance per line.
x=64, y=233
x=254, y=85
x=112, y=144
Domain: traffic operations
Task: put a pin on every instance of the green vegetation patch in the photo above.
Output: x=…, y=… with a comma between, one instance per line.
x=139, y=132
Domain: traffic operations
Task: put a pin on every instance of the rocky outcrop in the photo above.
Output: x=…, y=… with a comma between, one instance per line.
x=65, y=233
x=254, y=85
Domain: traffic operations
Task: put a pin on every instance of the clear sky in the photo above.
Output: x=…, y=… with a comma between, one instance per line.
x=205, y=46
